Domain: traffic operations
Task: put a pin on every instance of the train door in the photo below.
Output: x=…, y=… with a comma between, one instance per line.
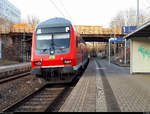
x=78, y=51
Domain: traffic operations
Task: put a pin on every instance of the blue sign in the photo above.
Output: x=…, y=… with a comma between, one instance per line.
x=0, y=50
x=128, y=29
x=117, y=40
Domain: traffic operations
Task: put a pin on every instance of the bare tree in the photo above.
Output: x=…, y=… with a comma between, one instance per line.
x=5, y=24
x=144, y=17
x=31, y=20
x=128, y=18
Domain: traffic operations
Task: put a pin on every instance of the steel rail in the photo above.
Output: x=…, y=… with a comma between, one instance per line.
x=21, y=101
x=10, y=78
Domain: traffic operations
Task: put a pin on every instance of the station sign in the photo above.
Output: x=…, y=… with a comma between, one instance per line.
x=128, y=29
x=117, y=40
x=0, y=50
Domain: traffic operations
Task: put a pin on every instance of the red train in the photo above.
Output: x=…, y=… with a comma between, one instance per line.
x=58, y=51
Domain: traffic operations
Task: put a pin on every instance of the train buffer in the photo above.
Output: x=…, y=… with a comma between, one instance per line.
x=108, y=87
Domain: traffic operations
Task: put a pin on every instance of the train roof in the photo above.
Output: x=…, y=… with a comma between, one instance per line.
x=54, y=22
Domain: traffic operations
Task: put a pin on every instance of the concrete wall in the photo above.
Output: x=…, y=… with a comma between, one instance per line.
x=140, y=55
x=12, y=48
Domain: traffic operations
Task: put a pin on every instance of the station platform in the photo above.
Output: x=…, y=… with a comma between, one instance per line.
x=6, y=67
x=107, y=87
x=9, y=70
x=85, y=97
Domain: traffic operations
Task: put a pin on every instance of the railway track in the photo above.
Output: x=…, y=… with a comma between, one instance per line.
x=48, y=98
x=10, y=78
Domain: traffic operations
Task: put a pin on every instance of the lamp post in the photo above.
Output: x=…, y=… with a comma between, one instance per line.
x=114, y=42
x=109, y=51
x=115, y=37
x=137, y=17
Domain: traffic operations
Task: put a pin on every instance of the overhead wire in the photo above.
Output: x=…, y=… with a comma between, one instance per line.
x=65, y=9
x=57, y=8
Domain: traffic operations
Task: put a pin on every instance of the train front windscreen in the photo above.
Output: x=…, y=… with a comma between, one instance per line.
x=53, y=41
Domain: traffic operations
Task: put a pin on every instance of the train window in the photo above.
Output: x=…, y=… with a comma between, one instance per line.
x=44, y=37
x=62, y=40
x=56, y=38
x=39, y=31
x=77, y=42
x=53, y=30
x=61, y=36
x=82, y=40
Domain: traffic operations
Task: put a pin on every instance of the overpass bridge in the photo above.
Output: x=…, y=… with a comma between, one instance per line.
x=17, y=40
x=88, y=33
x=99, y=37
x=98, y=33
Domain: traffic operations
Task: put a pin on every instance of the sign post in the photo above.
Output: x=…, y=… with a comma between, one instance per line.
x=109, y=51
x=125, y=52
x=0, y=50
x=115, y=40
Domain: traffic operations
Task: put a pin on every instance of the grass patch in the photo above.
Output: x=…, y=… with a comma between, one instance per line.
x=7, y=62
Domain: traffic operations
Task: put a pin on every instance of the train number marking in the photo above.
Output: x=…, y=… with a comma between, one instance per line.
x=52, y=57
x=67, y=29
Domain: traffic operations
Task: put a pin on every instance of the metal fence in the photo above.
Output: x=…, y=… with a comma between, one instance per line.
x=17, y=28
x=20, y=28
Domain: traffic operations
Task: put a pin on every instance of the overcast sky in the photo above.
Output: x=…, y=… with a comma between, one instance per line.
x=80, y=12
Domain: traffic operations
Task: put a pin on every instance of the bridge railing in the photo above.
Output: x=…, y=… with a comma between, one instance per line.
x=17, y=28
x=21, y=28
x=97, y=30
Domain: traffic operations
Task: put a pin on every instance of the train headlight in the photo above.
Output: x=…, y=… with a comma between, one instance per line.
x=37, y=63
x=67, y=61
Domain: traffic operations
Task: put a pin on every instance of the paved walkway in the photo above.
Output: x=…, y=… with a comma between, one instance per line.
x=109, y=88
x=131, y=91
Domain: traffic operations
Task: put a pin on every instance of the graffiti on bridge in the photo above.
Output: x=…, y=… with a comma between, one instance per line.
x=144, y=52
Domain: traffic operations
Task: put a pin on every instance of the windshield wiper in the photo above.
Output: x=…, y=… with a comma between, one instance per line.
x=60, y=48
x=44, y=50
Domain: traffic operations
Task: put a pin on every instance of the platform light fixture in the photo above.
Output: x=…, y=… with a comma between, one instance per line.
x=114, y=26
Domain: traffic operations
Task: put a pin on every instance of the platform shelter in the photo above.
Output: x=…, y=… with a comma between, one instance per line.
x=140, y=49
